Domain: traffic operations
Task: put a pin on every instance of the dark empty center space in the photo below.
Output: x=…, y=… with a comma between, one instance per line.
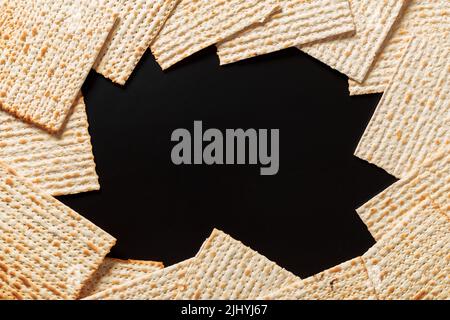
x=303, y=218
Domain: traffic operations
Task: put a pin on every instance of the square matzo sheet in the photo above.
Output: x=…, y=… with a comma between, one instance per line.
x=412, y=122
x=48, y=250
x=47, y=48
x=354, y=55
x=298, y=22
x=421, y=18
x=138, y=24
x=197, y=24
x=59, y=164
x=431, y=182
x=226, y=269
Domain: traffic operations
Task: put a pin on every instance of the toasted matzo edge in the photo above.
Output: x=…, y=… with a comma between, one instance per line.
x=138, y=25
x=197, y=24
x=353, y=56
x=159, y=285
x=411, y=122
x=226, y=269
x=347, y=281
x=48, y=251
x=47, y=50
x=298, y=22
x=411, y=261
x=59, y=164
x=430, y=181
x=421, y=18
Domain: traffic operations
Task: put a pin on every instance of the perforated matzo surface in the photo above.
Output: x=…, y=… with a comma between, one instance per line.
x=411, y=122
x=113, y=272
x=197, y=24
x=354, y=55
x=411, y=261
x=421, y=18
x=159, y=285
x=47, y=48
x=138, y=24
x=226, y=269
x=59, y=164
x=297, y=23
x=430, y=182
x=47, y=251
x=347, y=281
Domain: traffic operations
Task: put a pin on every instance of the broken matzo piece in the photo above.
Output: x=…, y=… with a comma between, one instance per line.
x=297, y=23
x=48, y=250
x=226, y=269
x=354, y=55
x=411, y=122
x=59, y=164
x=412, y=260
x=159, y=285
x=138, y=24
x=113, y=272
x=430, y=182
x=421, y=18
x=347, y=281
x=197, y=24
x=47, y=48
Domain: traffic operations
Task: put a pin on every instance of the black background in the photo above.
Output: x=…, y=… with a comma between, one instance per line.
x=304, y=218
